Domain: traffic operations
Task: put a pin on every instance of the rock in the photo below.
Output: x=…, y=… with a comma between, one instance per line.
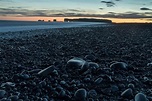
x=8, y=84
x=90, y=57
x=62, y=93
x=25, y=76
x=119, y=66
x=127, y=93
x=93, y=65
x=140, y=97
x=77, y=63
x=92, y=93
x=98, y=80
x=14, y=98
x=46, y=71
x=114, y=88
x=2, y=93
x=80, y=94
x=132, y=86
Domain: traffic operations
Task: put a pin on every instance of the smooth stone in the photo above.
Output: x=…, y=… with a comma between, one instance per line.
x=46, y=71
x=140, y=97
x=14, y=97
x=130, y=85
x=25, y=76
x=90, y=57
x=76, y=63
x=119, y=66
x=2, y=93
x=8, y=84
x=98, y=80
x=81, y=94
x=92, y=93
x=127, y=93
x=114, y=88
x=62, y=93
x=93, y=65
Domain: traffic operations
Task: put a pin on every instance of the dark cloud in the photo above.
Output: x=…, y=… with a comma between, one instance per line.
x=109, y=3
x=145, y=8
x=101, y=8
x=70, y=13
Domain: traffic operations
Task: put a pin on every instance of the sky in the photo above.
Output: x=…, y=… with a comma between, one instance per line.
x=115, y=10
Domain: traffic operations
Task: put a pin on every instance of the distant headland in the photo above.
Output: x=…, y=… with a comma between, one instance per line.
x=87, y=20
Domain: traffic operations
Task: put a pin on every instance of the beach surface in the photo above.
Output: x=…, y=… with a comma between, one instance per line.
x=99, y=63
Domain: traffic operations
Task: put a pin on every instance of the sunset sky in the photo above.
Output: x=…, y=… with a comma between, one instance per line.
x=115, y=10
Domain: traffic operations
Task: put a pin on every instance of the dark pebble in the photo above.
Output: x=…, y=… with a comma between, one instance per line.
x=92, y=93
x=2, y=93
x=80, y=94
x=127, y=93
x=119, y=66
x=46, y=71
x=140, y=97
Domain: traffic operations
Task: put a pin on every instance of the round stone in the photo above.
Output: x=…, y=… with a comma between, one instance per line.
x=127, y=93
x=92, y=93
x=119, y=66
x=140, y=97
x=80, y=94
x=114, y=88
x=2, y=93
x=76, y=63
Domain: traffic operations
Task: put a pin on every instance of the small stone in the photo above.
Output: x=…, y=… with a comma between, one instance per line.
x=93, y=65
x=140, y=97
x=114, y=88
x=119, y=66
x=81, y=94
x=14, y=97
x=25, y=76
x=132, y=86
x=46, y=71
x=92, y=93
x=8, y=84
x=90, y=57
x=98, y=80
x=62, y=93
x=76, y=63
x=127, y=93
x=2, y=93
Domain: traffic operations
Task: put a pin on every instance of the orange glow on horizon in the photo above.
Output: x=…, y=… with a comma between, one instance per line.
x=115, y=20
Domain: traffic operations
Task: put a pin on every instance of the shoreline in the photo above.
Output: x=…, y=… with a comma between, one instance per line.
x=23, y=58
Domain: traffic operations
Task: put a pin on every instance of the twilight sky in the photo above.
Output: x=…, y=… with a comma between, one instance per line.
x=116, y=10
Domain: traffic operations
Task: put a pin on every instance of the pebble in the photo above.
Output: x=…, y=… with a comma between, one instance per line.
x=90, y=57
x=2, y=93
x=114, y=88
x=92, y=93
x=130, y=85
x=80, y=94
x=14, y=97
x=127, y=93
x=46, y=71
x=76, y=63
x=98, y=80
x=8, y=84
x=93, y=65
x=140, y=97
x=119, y=66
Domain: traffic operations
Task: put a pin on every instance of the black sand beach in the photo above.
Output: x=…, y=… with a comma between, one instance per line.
x=113, y=64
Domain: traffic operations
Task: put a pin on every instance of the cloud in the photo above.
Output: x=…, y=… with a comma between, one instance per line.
x=70, y=13
x=145, y=8
x=101, y=8
x=109, y=3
